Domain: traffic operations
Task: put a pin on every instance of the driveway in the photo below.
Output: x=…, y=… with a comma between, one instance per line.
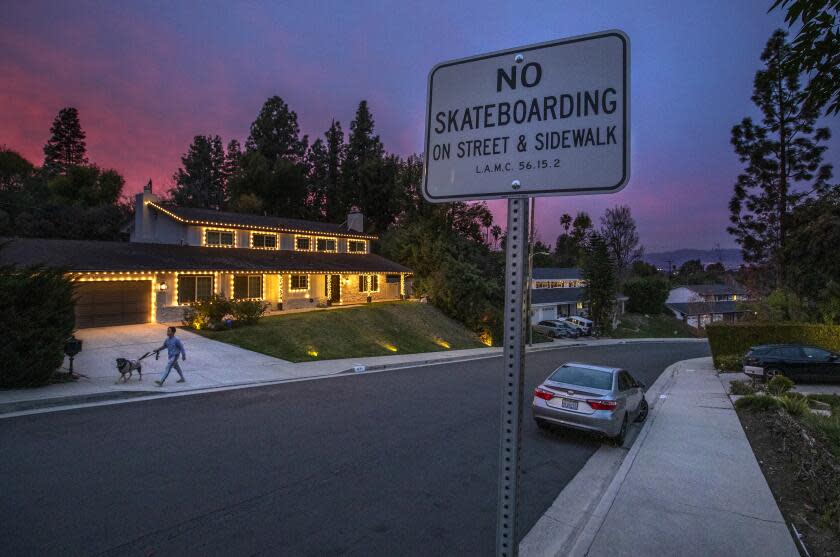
x=209, y=364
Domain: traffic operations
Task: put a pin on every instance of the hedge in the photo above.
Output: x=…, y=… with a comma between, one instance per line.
x=37, y=308
x=733, y=340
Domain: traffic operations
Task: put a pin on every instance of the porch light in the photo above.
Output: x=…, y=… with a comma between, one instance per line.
x=162, y=287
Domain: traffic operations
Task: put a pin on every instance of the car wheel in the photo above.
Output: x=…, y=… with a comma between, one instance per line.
x=643, y=411
x=618, y=440
x=771, y=373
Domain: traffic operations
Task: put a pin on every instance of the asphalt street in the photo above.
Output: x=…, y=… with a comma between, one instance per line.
x=396, y=463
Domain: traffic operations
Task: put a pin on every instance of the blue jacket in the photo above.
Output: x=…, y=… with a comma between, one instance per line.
x=174, y=347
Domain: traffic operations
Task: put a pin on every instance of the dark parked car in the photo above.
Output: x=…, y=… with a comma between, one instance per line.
x=799, y=362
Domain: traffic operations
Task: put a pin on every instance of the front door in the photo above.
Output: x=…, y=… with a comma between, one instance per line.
x=335, y=288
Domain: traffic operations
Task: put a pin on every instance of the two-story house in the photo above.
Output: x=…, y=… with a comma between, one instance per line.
x=558, y=292
x=178, y=255
x=701, y=304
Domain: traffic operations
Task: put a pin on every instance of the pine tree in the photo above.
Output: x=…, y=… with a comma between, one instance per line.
x=66, y=147
x=598, y=269
x=201, y=182
x=334, y=208
x=782, y=157
x=276, y=134
x=233, y=160
x=364, y=153
x=318, y=168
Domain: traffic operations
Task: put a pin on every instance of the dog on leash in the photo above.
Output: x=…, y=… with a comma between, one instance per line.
x=127, y=367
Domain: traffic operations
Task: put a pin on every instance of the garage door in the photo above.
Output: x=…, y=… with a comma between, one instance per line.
x=100, y=304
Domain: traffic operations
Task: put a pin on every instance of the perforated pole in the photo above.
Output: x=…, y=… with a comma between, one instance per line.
x=516, y=271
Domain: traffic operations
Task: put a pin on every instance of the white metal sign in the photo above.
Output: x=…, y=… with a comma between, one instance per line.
x=546, y=119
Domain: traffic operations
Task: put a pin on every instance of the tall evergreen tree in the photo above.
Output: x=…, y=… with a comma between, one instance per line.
x=275, y=133
x=364, y=155
x=598, y=269
x=201, y=181
x=66, y=147
x=318, y=168
x=233, y=159
x=334, y=208
x=782, y=157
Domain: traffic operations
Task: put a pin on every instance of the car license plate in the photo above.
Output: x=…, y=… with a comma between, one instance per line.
x=569, y=404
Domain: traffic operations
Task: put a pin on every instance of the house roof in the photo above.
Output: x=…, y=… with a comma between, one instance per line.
x=210, y=217
x=91, y=256
x=556, y=295
x=716, y=289
x=700, y=308
x=547, y=273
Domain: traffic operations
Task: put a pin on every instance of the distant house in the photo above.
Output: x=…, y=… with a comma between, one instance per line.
x=701, y=304
x=558, y=292
x=177, y=256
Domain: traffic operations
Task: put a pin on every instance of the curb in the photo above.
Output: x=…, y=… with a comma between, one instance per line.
x=576, y=535
x=27, y=407
x=433, y=361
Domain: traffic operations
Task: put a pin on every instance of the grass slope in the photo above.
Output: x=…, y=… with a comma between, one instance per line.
x=635, y=325
x=380, y=329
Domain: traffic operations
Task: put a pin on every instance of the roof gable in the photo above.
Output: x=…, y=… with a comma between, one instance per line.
x=210, y=217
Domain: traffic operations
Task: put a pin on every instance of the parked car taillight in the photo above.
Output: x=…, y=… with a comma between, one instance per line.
x=543, y=394
x=602, y=404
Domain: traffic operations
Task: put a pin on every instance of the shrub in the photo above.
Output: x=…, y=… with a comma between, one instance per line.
x=741, y=388
x=794, y=405
x=247, y=312
x=730, y=363
x=757, y=403
x=646, y=295
x=207, y=313
x=38, y=316
x=779, y=385
x=736, y=339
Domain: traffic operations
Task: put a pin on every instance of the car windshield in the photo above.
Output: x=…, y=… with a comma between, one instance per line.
x=583, y=377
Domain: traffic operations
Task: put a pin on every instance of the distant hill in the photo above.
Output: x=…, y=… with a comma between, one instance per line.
x=731, y=258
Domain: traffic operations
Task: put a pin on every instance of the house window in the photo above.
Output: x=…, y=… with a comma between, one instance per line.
x=326, y=244
x=264, y=241
x=220, y=238
x=247, y=286
x=303, y=243
x=368, y=283
x=194, y=287
x=357, y=246
x=299, y=282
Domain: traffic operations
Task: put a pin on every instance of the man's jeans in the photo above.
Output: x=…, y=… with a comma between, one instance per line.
x=173, y=362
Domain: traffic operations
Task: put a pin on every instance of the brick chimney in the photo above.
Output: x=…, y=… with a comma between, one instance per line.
x=356, y=221
x=143, y=220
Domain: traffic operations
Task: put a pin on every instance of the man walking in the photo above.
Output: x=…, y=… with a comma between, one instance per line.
x=174, y=348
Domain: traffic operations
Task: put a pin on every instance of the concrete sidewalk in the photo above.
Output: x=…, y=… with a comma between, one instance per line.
x=690, y=485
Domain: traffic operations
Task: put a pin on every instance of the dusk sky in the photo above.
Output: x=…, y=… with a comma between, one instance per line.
x=147, y=78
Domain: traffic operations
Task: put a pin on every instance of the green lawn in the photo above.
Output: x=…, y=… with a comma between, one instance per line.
x=380, y=329
x=635, y=325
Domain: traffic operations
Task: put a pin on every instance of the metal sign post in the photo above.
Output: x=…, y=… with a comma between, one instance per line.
x=544, y=119
x=516, y=283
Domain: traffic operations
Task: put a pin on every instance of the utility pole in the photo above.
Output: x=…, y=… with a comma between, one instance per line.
x=530, y=273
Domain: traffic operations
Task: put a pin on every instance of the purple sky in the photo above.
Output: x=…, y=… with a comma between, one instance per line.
x=146, y=79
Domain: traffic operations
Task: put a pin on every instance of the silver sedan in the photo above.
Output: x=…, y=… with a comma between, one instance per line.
x=590, y=398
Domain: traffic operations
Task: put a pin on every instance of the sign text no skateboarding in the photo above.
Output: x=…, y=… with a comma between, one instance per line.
x=547, y=119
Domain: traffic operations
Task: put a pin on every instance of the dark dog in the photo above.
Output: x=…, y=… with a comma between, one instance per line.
x=127, y=368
